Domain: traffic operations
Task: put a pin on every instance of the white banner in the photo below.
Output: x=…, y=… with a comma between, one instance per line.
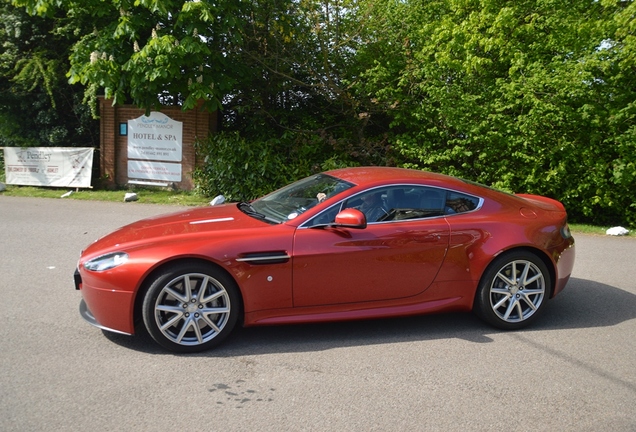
x=145, y=170
x=49, y=166
x=155, y=137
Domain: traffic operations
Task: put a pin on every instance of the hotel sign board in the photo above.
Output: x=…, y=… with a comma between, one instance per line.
x=155, y=144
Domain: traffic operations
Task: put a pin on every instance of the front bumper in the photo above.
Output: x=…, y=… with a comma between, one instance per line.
x=89, y=318
x=107, y=309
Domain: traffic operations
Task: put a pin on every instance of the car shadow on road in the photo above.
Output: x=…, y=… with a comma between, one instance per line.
x=583, y=304
x=587, y=304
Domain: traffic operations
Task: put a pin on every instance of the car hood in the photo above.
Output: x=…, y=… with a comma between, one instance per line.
x=193, y=222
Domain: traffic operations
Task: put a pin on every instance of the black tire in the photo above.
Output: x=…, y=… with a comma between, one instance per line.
x=508, y=302
x=179, y=318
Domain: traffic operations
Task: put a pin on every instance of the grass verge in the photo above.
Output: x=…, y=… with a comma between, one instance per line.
x=593, y=229
x=147, y=196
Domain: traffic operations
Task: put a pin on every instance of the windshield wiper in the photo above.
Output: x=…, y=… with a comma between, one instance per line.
x=249, y=210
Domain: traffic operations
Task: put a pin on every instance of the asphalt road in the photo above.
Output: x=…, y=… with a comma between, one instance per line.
x=573, y=371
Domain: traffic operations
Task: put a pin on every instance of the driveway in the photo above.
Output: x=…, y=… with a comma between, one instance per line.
x=572, y=371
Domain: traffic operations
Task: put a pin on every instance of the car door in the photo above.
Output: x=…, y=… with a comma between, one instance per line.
x=388, y=259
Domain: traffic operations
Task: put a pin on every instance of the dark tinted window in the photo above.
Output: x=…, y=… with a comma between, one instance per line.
x=460, y=203
x=396, y=203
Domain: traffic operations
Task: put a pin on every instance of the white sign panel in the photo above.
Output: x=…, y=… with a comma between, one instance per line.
x=155, y=137
x=49, y=166
x=146, y=170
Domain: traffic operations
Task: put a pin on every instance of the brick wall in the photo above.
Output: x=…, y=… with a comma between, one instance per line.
x=114, y=147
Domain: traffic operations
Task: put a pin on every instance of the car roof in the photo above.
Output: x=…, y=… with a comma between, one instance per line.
x=368, y=176
x=364, y=177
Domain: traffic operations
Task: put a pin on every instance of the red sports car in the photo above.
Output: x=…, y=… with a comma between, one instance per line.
x=346, y=244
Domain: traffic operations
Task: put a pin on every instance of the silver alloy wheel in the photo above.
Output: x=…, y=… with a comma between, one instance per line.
x=517, y=291
x=192, y=309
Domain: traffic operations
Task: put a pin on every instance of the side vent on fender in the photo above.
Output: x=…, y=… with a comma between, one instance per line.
x=260, y=258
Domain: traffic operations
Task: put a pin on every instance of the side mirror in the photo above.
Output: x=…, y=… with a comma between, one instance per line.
x=351, y=218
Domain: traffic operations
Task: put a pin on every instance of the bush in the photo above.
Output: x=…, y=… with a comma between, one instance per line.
x=242, y=169
x=239, y=169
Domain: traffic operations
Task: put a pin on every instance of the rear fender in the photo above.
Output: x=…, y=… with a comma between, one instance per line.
x=544, y=203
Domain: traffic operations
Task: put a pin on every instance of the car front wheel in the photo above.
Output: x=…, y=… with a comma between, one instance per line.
x=513, y=290
x=190, y=307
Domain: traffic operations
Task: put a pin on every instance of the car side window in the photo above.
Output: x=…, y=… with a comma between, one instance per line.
x=372, y=203
x=326, y=217
x=418, y=202
x=460, y=203
x=414, y=202
x=397, y=203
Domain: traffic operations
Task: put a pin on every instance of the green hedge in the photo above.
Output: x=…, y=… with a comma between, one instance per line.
x=242, y=169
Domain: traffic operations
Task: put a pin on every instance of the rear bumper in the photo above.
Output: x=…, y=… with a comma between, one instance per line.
x=564, y=266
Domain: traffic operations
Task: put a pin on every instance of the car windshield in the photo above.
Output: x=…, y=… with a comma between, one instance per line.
x=287, y=203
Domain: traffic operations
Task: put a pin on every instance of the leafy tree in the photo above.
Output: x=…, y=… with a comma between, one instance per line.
x=295, y=87
x=508, y=94
x=533, y=95
x=38, y=107
x=151, y=52
x=275, y=66
x=616, y=63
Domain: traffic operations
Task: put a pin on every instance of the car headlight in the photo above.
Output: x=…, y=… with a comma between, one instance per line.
x=106, y=262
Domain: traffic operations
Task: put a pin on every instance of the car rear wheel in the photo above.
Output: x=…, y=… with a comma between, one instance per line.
x=513, y=290
x=191, y=307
